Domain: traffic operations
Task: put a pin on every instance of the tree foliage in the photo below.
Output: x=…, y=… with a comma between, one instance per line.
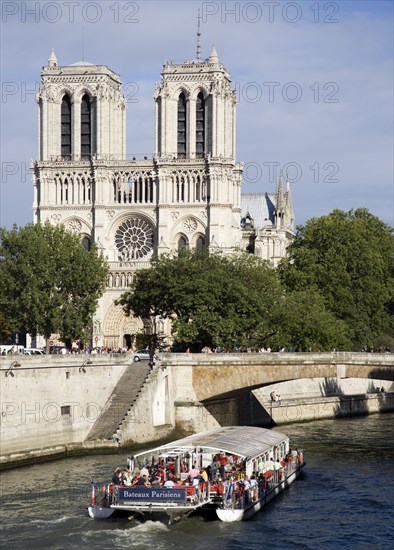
x=303, y=323
x=347, y=257
x=211, y=299
x=49, y=283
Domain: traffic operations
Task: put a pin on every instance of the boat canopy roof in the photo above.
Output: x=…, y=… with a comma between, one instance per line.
x=244, y=441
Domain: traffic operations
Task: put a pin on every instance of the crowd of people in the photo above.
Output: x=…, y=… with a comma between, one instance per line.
x=223, y=478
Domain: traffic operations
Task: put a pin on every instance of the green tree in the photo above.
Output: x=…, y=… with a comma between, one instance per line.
x=304, y=324
x=347, y=257
x=6, y=328
x=49, y=283
x=211, y=299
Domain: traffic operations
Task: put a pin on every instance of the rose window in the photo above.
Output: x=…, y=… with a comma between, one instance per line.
x=134, y=239
x=190, y=225
x=74, y=225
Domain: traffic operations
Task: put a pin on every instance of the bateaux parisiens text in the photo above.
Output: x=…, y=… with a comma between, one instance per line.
x=160, y=495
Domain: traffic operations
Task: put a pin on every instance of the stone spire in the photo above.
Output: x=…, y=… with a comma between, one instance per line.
x=198, y=37
x=289, y=206
x=52, y=59
x=213, y=58
x=280, y=203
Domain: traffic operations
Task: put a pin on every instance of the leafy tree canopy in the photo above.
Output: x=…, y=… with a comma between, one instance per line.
x=348, y=257
x=211, y=299
x=303, y=323
x=49, y=283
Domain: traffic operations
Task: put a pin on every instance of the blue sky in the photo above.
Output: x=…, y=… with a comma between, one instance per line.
x=314, y=82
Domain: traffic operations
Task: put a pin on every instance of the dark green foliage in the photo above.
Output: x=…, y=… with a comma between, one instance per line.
x=49, y=283
x=304, y=324
x=213, y=300
x=347, y=257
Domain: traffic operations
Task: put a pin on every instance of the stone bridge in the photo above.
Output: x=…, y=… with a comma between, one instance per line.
x=214, y=376
x=54, y=405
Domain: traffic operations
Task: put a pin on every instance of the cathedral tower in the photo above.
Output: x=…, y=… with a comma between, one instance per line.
x=195, y=148
x=81, y=112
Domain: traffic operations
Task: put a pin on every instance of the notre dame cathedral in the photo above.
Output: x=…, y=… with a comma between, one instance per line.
x=189, y=194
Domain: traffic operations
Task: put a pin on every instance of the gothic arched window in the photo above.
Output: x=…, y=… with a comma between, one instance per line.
x=86, y=136
x=182, y=242
x=200, y=243
x=200, y=126
x=182, y=126
x=86, y=243
x=66, y=128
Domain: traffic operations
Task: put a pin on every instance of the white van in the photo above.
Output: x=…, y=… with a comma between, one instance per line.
x=5, y=350
x=34, y=351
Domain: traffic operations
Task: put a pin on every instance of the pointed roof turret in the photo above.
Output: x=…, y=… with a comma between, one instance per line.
x=52, y=59
x=288, y=192
x=289, y=206
x=280, y=195
x=213, y=58
x=280, y=204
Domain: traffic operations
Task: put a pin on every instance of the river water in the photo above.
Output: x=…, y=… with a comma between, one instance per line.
x=344, y=499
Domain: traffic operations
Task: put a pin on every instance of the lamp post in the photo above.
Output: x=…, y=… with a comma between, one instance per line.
x=9, y=370
x=82, y=367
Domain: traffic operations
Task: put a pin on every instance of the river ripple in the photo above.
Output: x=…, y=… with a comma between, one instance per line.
x=344, y=499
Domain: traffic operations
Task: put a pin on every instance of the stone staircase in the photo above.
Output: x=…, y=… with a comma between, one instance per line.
x=124, y=395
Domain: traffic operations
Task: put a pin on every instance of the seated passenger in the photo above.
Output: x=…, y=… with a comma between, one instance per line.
x=155, y=483
x=142, y=481
x=169, y=483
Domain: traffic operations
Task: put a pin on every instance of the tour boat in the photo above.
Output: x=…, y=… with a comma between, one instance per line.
x=246, y=468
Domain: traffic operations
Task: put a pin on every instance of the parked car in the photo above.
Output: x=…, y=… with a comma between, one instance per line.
x=34, y=351
x=142, y=355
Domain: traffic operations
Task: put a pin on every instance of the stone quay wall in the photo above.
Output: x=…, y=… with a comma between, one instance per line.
x=49, y=402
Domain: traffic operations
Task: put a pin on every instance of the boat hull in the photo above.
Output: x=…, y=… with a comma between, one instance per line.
x=97, y=512
x=229, y=515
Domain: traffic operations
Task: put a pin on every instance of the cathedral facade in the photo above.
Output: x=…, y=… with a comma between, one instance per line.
x=187, y=195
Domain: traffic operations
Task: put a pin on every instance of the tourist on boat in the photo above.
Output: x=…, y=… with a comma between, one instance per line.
x=197, y=481
x=294, y=454
x=156, y=482
x=246, y=487
x=144, y=471
x=142, y=481
x=193, y=472
x=127, y=477
x=215, y=469
x=278, y=469
x=169, y=483
x=204, y=474
x=253, y=487
x=116, y=478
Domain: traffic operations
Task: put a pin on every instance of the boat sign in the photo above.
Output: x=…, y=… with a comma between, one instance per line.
x=143, y=494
